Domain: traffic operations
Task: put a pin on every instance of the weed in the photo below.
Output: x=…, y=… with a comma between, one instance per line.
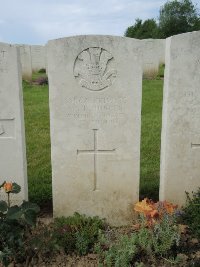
x=191, y=212
x=77, y=233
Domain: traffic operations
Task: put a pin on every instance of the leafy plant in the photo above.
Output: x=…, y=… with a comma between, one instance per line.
x=153, y=212
x=191, y=212
x=77, y=233
x=159, y=231
x=42, y=70
x=119, y=253
x=14, y=223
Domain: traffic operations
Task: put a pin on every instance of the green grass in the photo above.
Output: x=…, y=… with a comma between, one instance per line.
x=36, y=110
x=150, y=138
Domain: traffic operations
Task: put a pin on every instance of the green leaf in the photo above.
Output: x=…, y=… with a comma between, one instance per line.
x=16, y=188
x=26, y=205
x=30, y=217
x=14, y=213
x=3, y=206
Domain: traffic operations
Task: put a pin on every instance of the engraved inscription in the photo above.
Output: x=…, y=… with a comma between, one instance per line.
x=7, y=128
x=103, y=110
x=95, y=151
x=94, y=69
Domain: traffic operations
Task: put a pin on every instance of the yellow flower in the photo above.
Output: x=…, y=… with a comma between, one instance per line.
x=8, y=187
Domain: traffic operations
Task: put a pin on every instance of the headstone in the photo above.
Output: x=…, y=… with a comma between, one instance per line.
x=150, y=58
x=161, y=50
x=12, y=137
x=38, y=56
x=95, y=106
x=26, y=64
x=180, y=147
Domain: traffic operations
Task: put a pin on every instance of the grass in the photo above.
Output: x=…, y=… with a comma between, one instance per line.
x=36, y=111
x=150, y=138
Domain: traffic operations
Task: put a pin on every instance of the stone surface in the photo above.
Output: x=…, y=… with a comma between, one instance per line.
x=95, y=108
x=26, y=63
x=12, y=136
x=38, y=56
x=153, y=54
x=150, y=58
x=160, y=47
x=180, y=152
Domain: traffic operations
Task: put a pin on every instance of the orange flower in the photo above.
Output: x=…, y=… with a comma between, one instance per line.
x=169, y=207
x=8, y=187
x=146, y=207
x=143, y=206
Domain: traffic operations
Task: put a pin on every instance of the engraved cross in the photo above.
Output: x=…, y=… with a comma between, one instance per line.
x=95, y=151
x=3, y=52
x=195, y=145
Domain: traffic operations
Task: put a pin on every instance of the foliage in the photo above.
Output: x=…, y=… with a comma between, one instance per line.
x=158, y=235
x=178, y=17
x=77, y=233
x=191, y=212
x=41, y=242
x=42, y=70
x=159, y=231
x=154, y=212
x=14, y=223
x=143, y=30
x=175, y=17
x=119, y=253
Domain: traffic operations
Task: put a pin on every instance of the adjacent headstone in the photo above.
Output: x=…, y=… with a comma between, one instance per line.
x=150, y=58
x=180, y=151
x=38, y=56
x=12, y=137
x=95, y=108
x=26, y=63
x=161, y=50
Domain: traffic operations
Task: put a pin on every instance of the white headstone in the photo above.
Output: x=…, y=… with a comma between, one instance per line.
x=150, y=58
x=161, y=50
x=38, y=56
x=95, y=106
x=12, y=135
x=25, y=57
x=180, y=150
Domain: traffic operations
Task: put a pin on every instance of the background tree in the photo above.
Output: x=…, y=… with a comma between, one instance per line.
x=175, y=17
x=178, y=17
x=143, y=30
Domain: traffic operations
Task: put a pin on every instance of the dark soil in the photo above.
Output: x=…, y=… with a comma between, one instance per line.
x=188, y=251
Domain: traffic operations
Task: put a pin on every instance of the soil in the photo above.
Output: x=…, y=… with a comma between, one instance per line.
x=189, y=251
x=189, y=254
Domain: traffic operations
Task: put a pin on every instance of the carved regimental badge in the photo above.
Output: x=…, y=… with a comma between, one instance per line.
x=94, y=69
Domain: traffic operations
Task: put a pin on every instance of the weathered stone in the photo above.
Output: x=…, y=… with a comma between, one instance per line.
x=153, y=54
x=95, y=106
x=180, y=146
x=150, y=58
x=161, y=43
x=38, y=56
x=12, y=137
x=26, y=64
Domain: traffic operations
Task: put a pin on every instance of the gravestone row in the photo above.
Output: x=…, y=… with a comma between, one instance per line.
x=33, y=58
x=95, y=85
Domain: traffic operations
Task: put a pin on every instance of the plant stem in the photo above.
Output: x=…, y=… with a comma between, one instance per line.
x=8, y=199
